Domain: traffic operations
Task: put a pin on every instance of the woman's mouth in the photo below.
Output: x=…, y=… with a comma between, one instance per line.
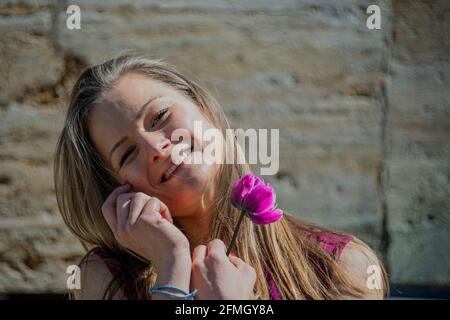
x=174, y=169
x=168, y=174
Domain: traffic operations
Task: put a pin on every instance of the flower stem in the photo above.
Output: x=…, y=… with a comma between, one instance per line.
x=236, y=230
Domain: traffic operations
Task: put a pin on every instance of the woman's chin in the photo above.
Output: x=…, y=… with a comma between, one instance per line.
x=187, y=188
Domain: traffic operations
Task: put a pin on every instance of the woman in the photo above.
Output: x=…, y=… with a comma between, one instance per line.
x=148, y=222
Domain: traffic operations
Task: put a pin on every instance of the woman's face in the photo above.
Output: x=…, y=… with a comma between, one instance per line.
x=131, y=127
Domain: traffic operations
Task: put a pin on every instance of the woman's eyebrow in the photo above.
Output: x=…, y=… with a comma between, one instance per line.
x=144, y=107
x=137, y=116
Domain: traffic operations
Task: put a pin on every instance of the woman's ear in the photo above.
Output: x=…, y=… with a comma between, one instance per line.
x=117, y=182
x=124, y=182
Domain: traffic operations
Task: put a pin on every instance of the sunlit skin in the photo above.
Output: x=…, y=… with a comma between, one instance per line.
x=145, y=152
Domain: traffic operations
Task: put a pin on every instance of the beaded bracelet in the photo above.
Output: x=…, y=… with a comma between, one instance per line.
x=184, y=295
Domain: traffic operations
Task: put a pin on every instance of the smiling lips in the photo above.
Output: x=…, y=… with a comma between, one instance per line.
x=169, y=172
x=166, y=175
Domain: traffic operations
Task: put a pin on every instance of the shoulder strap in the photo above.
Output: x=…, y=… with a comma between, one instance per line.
x=333, y=243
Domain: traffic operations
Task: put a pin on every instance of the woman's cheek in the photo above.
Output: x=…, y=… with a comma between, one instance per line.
x=129, y=176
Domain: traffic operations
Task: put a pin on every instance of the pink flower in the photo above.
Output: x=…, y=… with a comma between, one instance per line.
x=256, y=198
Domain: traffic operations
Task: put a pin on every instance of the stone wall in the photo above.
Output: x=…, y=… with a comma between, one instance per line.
x=363, y=114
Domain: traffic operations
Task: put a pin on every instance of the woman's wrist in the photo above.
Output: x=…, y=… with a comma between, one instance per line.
x=175, y=271
x=176, y=258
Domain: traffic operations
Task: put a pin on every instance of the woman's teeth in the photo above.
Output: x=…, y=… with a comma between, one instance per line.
x=169, y=172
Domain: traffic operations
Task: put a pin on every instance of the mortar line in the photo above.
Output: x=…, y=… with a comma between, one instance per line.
x=383, y=178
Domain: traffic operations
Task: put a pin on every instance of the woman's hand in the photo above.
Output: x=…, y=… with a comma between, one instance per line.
x=144, y=225
x=217, y=276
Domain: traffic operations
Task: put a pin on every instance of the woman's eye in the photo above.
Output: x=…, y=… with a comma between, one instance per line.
x=158, y=116
x=127, y=154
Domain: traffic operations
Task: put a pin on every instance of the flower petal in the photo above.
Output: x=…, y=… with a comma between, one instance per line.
x=259, y=199
x=242, y=187
x=267, y=217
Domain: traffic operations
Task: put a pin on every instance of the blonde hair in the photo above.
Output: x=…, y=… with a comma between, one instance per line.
x=299, y=266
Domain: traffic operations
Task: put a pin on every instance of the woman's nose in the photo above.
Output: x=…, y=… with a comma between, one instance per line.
x=156, y=146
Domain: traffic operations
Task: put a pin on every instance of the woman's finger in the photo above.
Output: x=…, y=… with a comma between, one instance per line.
x=199, y=254
x=217, y=247
x=243, y=267
x=165, y=212
x=109, y=206
x=123, y=210
x=237, y=262
x=156, y=205
x=136, y=207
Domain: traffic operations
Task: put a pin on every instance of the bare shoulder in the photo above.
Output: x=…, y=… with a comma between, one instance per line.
x=364, y=268
x=95, y=279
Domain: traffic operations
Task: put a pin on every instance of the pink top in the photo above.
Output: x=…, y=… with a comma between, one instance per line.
x=332, y=243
